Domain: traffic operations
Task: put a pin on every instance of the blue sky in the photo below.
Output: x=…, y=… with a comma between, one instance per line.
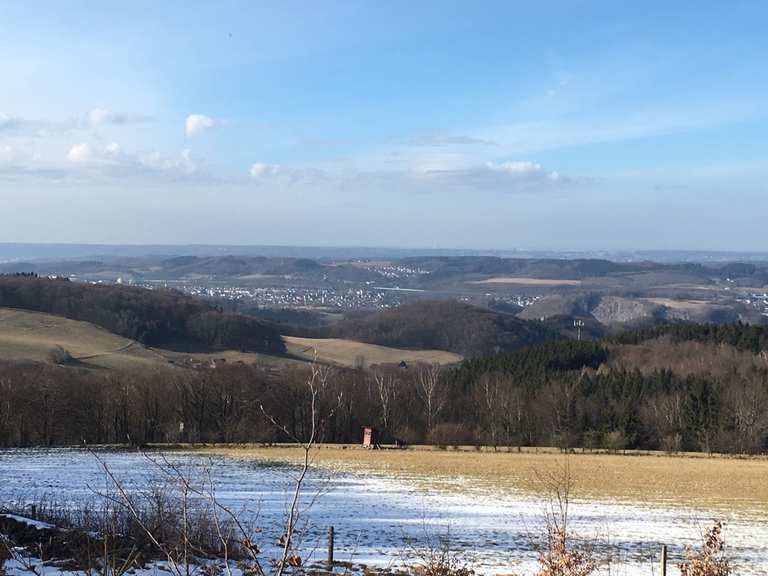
x=550, y=125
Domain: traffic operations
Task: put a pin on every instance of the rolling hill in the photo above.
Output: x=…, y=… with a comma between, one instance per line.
x=163, y=318
x=444, y=325
x=37, y=337
x=45, y=338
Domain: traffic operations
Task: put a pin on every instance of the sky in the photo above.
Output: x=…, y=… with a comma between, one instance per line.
x=431, y=124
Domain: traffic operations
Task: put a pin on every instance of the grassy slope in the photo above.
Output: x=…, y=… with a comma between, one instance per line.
x=345, y=352
x=32, y=336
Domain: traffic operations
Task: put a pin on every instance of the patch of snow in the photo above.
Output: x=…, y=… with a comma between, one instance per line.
x=383, y=520
x=29, y=522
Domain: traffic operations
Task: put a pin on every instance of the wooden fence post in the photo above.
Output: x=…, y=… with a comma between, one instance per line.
x=663, y=560
x=330, y=546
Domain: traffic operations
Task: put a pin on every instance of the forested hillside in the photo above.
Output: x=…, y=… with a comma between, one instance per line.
x=153, y=317
x=693, y=387
x=741, y=336
x=682, y=387
x=444, y=325
x=656, y=395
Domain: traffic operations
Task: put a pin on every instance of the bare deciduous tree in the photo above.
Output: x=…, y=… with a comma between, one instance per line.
x=386, y=386
x=321, y=408
x=431, y=394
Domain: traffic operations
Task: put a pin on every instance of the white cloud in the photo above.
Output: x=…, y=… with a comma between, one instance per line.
x=17, y=159
x=84, y=153
x=261, y=170
x=522, y=169
x=80, y=153
x=198, y=123
x=87, y=160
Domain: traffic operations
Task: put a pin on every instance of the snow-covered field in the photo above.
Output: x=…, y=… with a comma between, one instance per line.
x=380, y=520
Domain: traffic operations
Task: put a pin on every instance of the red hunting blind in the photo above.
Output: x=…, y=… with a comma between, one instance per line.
x=370, y=438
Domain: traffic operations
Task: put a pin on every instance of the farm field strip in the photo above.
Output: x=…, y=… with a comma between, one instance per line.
x=383, y=518
x=527, y=281
x=345, y=352
x=719, y=483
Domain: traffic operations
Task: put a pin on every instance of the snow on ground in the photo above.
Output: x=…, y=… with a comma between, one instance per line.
x=28, y=521
x=384, y=521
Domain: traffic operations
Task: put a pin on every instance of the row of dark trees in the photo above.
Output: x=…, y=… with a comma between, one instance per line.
x=747, y=337
x=565, y=394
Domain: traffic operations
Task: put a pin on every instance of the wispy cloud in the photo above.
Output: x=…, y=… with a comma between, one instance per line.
x=505, y=177
x=94, y=162
x=103, y=117
x=264, y=173
x=509, y=176
x=93, y=119
x=16, y=125
x=522, y=169
x=7, y=122
x=440, y=141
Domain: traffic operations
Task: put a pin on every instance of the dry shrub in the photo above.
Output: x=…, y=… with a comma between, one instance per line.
x=672, y=443
x=561, y=559
x=616, y=440
x=5, y=554
x=710, y=560
x=94, y=535
x=59, y=355
x=440, y=561
x=559, y=556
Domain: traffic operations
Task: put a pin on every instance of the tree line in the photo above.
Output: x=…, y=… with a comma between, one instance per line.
x=749, y=337
x=566, y=394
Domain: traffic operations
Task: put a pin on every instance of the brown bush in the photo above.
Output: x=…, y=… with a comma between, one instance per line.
x=710, y=560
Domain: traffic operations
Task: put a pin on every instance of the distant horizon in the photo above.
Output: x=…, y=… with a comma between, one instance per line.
x=90, y=249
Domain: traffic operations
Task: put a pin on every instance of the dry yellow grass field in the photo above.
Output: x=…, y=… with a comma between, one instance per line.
x=32, y=336
x=527, y=281
x=715, y=483
x=679, y=304
x=346, y=352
